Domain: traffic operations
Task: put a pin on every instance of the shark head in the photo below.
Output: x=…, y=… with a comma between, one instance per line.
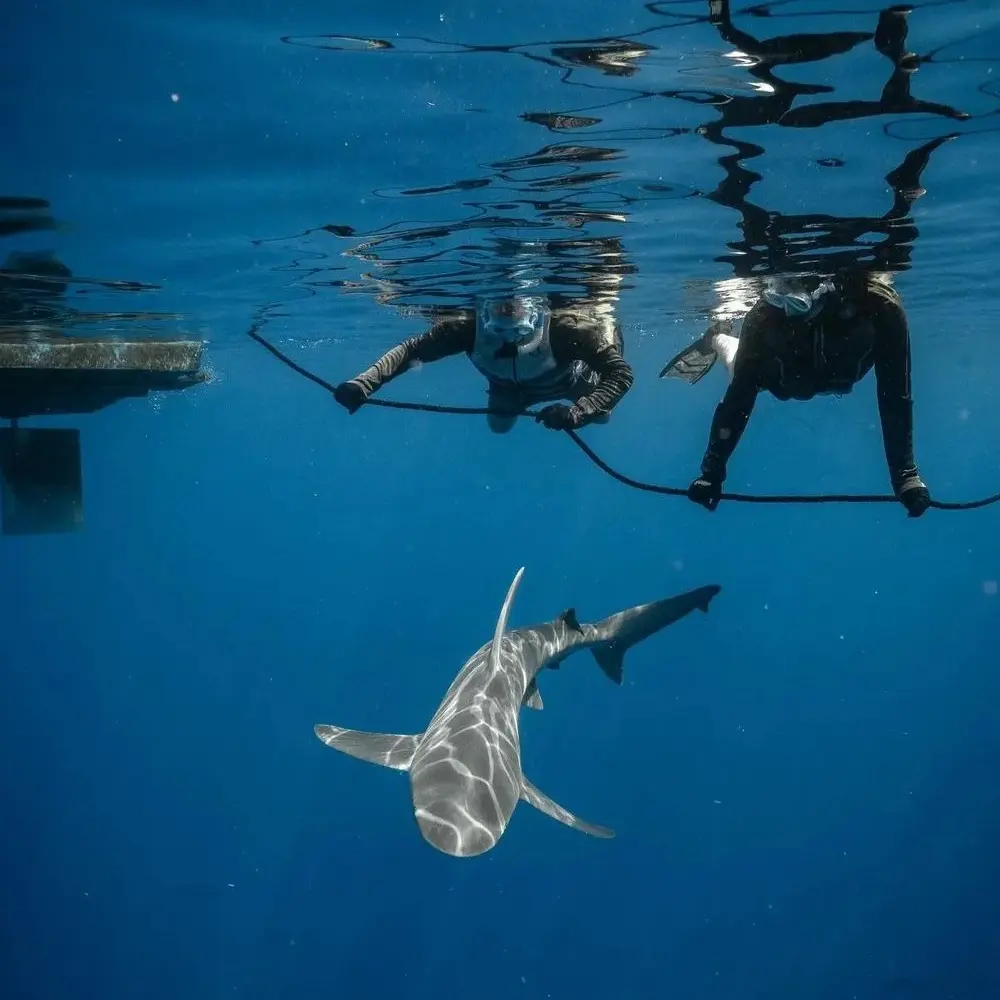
x=445, y=828
x=460, y=814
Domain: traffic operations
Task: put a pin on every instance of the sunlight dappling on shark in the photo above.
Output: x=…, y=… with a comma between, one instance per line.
x=465, y=768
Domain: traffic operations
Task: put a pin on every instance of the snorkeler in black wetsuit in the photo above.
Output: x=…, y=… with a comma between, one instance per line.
x=812, y=337
x=528, y=352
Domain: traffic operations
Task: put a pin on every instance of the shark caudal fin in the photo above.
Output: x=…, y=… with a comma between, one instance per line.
x=619, y=633
x=388, y=749
x=502, y=622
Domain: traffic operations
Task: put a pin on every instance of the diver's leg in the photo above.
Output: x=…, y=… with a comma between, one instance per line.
x=505, y=407
x=725, y=346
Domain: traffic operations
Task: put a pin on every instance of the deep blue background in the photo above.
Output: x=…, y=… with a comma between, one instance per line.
x=803, y=783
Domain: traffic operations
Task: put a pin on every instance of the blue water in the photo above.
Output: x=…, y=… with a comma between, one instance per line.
x=802, y=782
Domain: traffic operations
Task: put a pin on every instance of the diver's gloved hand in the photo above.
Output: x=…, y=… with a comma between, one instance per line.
x=706, y=491
x=914, y=496
x=561, y=417
x=351, y=396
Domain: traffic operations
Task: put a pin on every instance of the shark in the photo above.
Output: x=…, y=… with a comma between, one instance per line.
x=465, y=767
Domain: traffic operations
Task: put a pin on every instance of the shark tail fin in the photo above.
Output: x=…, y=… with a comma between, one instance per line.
x=628, y=628
x=502, y=621
x=611, y=659
x=388, y=749
x=704, y=598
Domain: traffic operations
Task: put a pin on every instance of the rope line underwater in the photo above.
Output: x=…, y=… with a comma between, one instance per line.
x=674, y=491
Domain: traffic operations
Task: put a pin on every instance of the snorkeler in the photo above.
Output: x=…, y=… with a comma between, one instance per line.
x=805, y=337
x=528, y=352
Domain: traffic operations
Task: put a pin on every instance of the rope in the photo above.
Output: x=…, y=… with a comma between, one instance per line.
x=673, y=491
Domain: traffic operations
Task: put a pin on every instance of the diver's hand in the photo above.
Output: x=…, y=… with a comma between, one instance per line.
x=914, y=496
x=706, y=491
x=560, y=417
x=351, y=396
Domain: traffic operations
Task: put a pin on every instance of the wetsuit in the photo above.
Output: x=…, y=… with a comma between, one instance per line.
x=826, y=353
x=584, y=363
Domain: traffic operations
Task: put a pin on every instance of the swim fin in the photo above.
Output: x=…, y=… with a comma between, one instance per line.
x=693, y=363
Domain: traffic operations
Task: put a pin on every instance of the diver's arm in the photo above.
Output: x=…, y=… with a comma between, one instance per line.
x=445, y=338
x=733, y=412
x=895, y=404
x=591, y=345
x=728, y=425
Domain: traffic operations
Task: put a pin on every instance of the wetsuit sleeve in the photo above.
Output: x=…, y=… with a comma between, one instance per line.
x=590, y=344
x=445, y=338
x=895, y=405
x=733, y=412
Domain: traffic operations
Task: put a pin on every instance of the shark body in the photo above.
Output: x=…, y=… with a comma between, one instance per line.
x=465, y=767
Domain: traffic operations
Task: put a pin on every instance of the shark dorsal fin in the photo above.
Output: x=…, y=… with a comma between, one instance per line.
x=502, y=621
x=569, y=617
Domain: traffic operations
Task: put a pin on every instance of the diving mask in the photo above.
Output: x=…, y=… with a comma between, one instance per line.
x=797, y=302
x=513, y=320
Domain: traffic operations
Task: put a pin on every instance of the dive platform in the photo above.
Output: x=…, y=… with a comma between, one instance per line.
x=45, y=373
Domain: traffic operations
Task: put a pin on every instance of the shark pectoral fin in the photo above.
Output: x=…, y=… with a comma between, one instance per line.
x=533, y=697
x=388, y=749
x=611, y=659
x=543, y=803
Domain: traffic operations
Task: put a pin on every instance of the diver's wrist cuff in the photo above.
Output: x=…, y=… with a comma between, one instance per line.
x=905, y=479
x=713, y=469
